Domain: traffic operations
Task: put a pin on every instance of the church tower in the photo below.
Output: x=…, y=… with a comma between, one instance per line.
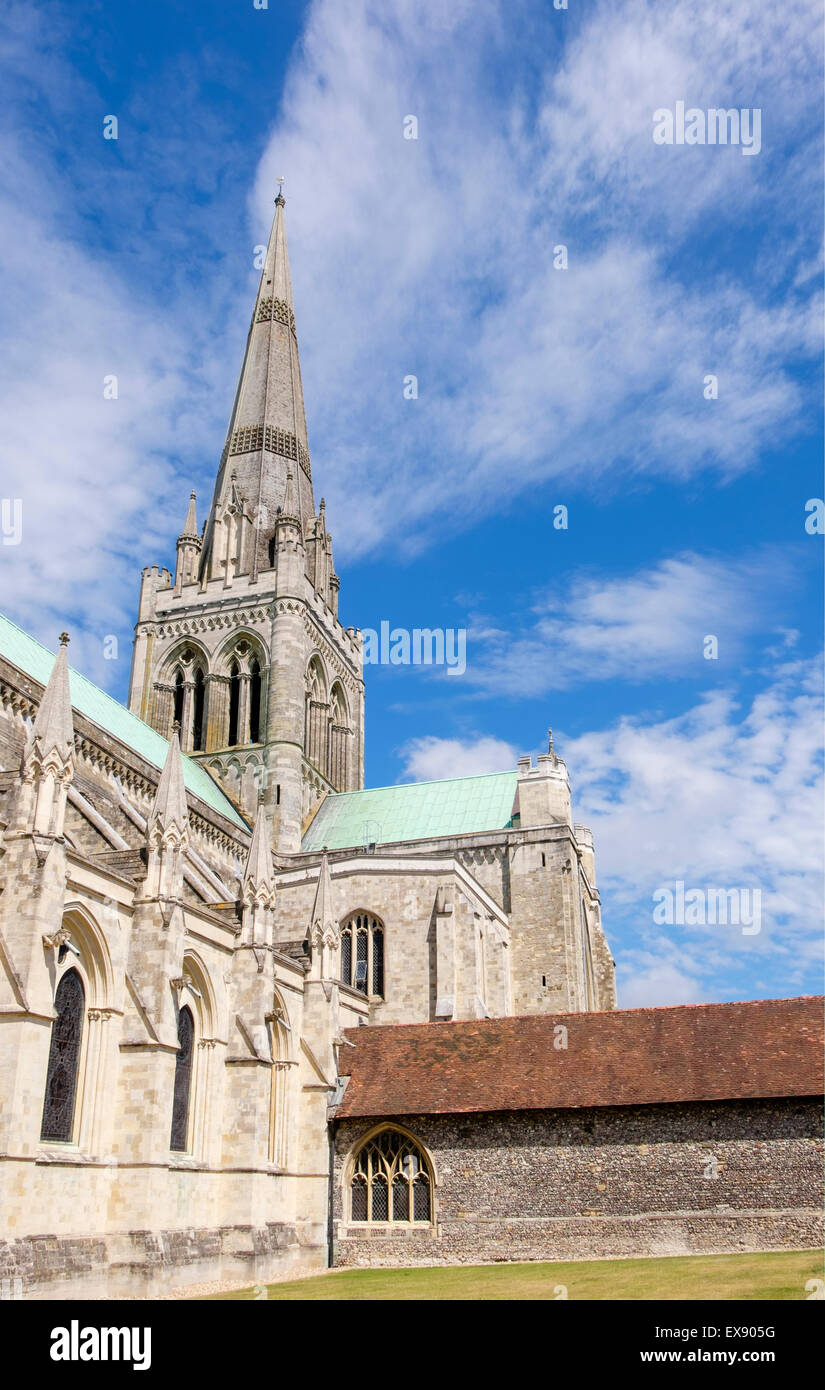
x=242, y=646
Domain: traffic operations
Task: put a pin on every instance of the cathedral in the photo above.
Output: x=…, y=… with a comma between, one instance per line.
x=259, y=1020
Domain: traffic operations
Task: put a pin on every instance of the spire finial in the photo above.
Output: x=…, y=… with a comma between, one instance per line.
x=190, y=525
x=550, y=747
x=176, y=729
x=65, y=639
x=280, y=201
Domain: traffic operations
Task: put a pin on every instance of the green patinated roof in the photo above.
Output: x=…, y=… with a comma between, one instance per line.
x=414, y=811
x=36, y=661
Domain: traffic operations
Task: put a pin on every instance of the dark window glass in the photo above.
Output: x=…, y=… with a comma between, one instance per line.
x=400, y=1199
x=421, y=1198
x=183, y=1081
x=179, y=698
x=380, y=1199
x=346, y=957
x=64, y=1060
x=255, y=703
x=359, y=1200
x=361, y=941
x=377, y=961
x=197, y=714
x=234, y=702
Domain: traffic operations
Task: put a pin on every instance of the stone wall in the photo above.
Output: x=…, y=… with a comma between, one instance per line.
x=157, y=1262
x=657, y=1180
x=443, y=939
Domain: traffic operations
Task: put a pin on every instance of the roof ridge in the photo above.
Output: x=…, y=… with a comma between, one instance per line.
x=427, y=782
x=595, y=1013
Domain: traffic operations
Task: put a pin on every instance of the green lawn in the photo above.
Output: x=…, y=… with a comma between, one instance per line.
x=775, y=1275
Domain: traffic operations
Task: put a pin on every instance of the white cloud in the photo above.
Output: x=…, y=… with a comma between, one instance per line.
x=647, y=625
x=431, y=758
x=657, y=984
x=726, y=796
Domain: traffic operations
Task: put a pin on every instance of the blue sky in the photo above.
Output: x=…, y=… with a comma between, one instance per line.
x=537, y=387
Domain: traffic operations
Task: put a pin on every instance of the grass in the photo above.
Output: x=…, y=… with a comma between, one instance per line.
x=771, y=1275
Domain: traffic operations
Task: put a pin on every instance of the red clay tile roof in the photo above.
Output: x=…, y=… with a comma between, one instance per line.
x=771, y=1047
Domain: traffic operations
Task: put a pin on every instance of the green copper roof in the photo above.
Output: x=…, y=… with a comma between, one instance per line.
x=415, y=811
x=36, y=661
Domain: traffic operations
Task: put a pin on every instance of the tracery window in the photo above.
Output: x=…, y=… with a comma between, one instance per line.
x=338, y=739
x=183, y=1082
x=362, y=954
x=316, y=716
x=64, y=1060
x=245, y=713
x=390, y=1181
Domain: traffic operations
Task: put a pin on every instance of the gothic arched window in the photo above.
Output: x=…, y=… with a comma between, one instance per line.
x=391, y=1181
x=64, y=1060
x=317, y=715
x=198, y=726
x=254, y=701
x=338, y=738
x=362, y=954
x=183, y=1082
x=234, y=703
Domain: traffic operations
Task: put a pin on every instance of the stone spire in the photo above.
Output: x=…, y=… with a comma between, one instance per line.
x=290, y=511
x=167, y=832
x=267, y=428
x=169, y=816
x=189, y=547
x=47, y=765
x=190, y=526
x=323, y=932
x=258, y=891
x=53, y=728
x=258, y=872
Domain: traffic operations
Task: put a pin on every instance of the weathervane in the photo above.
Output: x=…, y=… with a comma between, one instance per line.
x=280, y=182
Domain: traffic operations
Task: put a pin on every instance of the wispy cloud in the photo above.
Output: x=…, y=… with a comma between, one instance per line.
x=649, y=625
x=527, y=372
